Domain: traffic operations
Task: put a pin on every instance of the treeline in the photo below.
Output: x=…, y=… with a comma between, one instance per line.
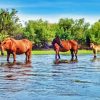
x=41, y=33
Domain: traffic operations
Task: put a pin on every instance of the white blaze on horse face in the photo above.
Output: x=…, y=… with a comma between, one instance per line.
x=91, y=45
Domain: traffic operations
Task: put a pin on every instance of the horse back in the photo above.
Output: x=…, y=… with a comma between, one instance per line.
x=67, y=45
x=71, y=44
x=97, y=48
x=25, y=43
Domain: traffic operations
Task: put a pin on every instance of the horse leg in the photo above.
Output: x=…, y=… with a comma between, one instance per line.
x=58, y=55
x=94, y=52
x=8, y=55
x=29, y=55
x=75, y=52
x=26, y=55
x=72, y=55
x=14, y=56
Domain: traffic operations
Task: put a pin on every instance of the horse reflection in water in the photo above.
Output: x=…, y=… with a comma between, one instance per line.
x=95, y=59
x=14, y=47
x=64, y=46
x=15, y=70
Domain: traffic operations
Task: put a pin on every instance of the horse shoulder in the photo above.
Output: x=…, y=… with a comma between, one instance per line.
x=56, y=46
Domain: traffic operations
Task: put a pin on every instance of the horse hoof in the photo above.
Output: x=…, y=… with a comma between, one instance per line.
x=94, y=56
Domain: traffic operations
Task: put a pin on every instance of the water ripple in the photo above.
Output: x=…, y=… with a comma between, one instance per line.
x=43, y=80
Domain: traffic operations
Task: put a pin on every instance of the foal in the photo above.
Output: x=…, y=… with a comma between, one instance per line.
x=95, y=48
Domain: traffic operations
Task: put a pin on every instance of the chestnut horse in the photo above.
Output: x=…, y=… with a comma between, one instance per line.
x=14, y=47
x=95, y=48
x=64, y=46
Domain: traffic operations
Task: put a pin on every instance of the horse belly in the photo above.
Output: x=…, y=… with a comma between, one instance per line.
x=20, y=51
x=64, y=50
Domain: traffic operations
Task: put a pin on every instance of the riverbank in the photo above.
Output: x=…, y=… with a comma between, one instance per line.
x=51, y=52
x=48, y=52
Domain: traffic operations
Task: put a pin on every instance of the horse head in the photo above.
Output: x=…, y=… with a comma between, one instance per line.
x=58, y=41
x=91, y=45
x=5, y=45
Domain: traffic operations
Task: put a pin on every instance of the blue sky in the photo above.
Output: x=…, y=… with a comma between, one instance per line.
x=53, y=10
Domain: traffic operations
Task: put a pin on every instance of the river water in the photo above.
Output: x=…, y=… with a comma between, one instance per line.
x=43, y=80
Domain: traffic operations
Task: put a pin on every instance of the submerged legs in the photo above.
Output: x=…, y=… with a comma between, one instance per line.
x=28, y=55
x=94, y=52
x=57, y=56
x=73, y=53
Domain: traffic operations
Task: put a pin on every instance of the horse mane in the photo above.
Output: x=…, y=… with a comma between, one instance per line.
x=12, y=39
x=9, y=38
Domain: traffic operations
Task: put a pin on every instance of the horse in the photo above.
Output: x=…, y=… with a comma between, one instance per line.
x=95, y=48
x=64, y=46
x=16, y=47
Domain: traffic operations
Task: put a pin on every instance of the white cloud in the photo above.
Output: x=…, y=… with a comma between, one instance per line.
x=55, y=18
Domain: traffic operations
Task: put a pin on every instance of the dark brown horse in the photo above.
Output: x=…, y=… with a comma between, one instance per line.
x=14, y=47
x=64, y=46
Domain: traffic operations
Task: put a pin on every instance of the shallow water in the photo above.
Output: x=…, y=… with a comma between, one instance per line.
x=43, y=80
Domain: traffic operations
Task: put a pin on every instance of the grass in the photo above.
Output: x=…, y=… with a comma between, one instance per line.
x=48, y=52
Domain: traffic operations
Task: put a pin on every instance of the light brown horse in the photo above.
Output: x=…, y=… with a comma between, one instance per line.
x=14, y=47
x=95, y=48
x=64, y=46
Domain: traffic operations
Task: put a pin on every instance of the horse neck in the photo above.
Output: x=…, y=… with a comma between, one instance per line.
x=56, y=41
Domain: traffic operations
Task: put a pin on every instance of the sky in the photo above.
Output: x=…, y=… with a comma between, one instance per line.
x=53, y=10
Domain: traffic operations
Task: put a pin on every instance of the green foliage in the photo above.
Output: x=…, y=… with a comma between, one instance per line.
x=41, y=32
x=95, y=33
x=8, y=23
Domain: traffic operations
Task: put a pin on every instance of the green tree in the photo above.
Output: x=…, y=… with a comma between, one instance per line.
x=8, y=23
x=39, y=32
x=94, y=32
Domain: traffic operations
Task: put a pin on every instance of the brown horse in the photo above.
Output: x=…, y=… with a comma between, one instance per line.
x=64, y=46
x=95, y=48
x=14, y=47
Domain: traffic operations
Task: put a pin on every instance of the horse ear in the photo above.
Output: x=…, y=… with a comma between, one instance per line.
x=12, y=39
